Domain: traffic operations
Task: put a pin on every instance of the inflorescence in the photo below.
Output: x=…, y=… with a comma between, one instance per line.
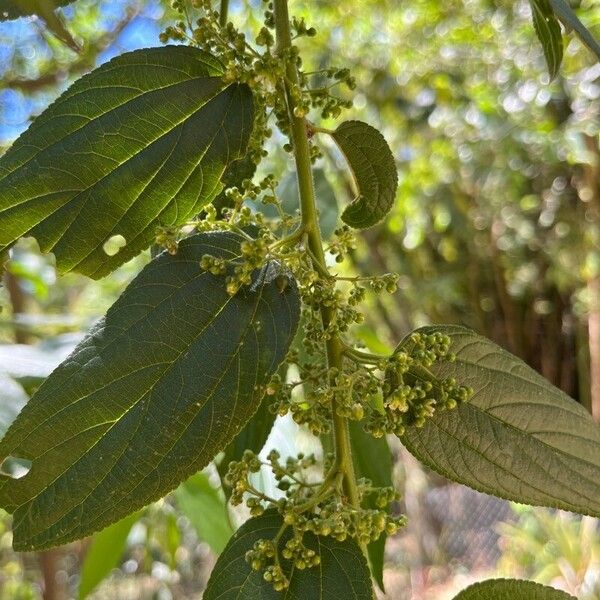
x=386, y=394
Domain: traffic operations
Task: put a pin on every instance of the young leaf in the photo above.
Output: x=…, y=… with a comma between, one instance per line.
x=104, y=554
x=158, y=387
x=548, y=31
x=569, y=19
x=342, y=575
x=206, y=510
x=511, y=589
x=373, y=460
x=518, y=437
x=374, y=169
x=141, y=141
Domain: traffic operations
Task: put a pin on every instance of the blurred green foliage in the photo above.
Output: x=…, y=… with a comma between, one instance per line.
x=496, y=226
x=553, y=547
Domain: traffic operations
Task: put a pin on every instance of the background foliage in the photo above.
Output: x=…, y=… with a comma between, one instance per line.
x=496, y=227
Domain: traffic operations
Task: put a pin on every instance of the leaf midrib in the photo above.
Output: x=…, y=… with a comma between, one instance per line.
x=133, y=405
x=96, y=118
x=160, y=168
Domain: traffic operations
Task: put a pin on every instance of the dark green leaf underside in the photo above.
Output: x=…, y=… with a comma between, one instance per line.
x=565, y=13
x=374, y=169
x=160, y=385
x=511, y=589
x=252, y=437
x=373, y=460
x=548, y=31
x=518, y=437
x=342, y=575
x=234, y=175
x=142, y=141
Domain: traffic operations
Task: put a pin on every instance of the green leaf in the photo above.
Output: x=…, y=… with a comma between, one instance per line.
x=325, y=198
x=158, y=387
x=374, y=169
x=518, y=437
x=373, y=460
x=252, y=437
x=565, y=13
x=206, y=510
x=142, y=141
x=104, y=554
x=511, y=589
x=234, y=176
x=548, y=31
x=342, y=575
x=172, y=539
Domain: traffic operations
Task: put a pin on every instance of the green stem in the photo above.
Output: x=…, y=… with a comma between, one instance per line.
x=223, y=13
x=308, y=209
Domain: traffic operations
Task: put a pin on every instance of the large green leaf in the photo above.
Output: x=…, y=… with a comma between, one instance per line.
x=518, y=437
x=342, y=575
x=548, y=31
x=158, y=387
x=565, y=13
x=104, y=554
x=142, y=141
x=234, y=176
x=206, y=510
x=373, y=460
x=511, y=589
x=374, y=169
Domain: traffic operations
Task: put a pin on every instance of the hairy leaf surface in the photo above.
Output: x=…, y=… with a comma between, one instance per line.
x=548, y=31
x=142, y=141
x=159, y=386
x=374, y=169
x=342, y=575
x=518, y=437
x=511, y=589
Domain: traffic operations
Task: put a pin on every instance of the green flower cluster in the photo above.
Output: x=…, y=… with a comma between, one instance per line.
x=412, y=393
x=256, y=63
x=384, y=393
x=318, y=508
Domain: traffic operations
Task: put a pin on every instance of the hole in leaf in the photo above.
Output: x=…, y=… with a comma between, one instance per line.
x=113, y=244
x=15, y=467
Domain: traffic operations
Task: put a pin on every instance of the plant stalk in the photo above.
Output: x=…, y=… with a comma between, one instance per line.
x=310, y=222
x=223, y=10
